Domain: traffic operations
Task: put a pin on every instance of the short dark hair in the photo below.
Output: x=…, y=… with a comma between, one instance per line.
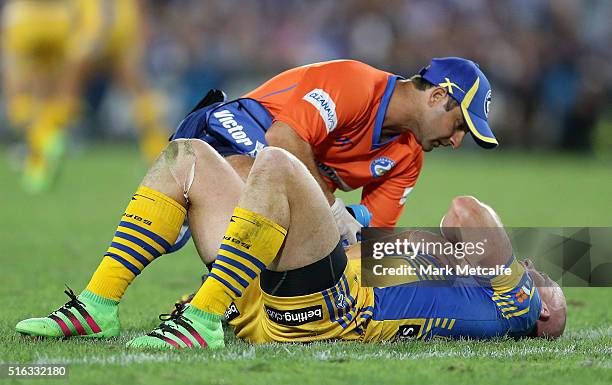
x=421, y=84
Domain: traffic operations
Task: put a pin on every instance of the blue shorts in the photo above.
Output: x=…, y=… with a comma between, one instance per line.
x=235, y=127
x=231, y=128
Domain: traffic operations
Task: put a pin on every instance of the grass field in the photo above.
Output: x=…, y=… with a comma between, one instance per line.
x=59, y=238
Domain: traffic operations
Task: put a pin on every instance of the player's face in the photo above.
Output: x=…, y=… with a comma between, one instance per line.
x=442, y=128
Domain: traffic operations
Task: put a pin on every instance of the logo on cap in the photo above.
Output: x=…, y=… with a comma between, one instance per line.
x=487, y=104
x=450, y=86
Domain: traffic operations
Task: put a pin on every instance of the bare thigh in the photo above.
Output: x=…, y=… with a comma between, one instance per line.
x=281, y=188
x=212, y=194
x=241, y=164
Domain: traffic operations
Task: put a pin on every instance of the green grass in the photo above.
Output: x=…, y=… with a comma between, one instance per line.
x=59, y=237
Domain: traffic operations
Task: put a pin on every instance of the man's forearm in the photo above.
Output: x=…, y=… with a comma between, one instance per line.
x=283, y=136
x=309, y=162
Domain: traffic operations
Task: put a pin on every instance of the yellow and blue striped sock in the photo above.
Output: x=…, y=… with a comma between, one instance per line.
x=251, y=243
x=149, y=227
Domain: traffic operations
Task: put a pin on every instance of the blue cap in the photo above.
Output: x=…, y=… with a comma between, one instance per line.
x=466, y=83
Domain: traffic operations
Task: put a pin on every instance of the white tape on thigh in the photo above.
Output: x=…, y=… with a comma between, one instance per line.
x=184, y=183
x=189, y=182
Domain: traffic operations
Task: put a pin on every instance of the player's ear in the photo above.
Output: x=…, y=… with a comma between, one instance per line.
x=544, y=313
x=437, y=96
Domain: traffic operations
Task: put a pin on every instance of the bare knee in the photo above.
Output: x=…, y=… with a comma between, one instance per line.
x=273, y=164
x=467, y=211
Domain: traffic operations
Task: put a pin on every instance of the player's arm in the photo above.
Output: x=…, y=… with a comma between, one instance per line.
x=280, y=134
x=470, y=221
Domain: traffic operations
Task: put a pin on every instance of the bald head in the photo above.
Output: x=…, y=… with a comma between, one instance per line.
x=553, y=314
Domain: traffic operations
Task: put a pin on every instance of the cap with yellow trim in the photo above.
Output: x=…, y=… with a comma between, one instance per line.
x=466, y=83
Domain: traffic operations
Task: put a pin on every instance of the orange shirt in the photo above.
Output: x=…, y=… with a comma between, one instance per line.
x=339, y=107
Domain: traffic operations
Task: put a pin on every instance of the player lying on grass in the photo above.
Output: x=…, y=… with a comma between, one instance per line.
x=281, y=273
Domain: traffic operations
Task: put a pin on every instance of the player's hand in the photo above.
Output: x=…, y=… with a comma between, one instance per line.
x=348, y=226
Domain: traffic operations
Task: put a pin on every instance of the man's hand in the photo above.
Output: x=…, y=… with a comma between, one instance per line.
x=348, y=226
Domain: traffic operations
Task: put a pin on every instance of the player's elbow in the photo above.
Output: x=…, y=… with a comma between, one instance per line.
x=467, y=211
x=278, y=134
x=463, y=212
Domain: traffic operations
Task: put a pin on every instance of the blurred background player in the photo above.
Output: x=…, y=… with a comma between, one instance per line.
x=539, y=55
x=51, y=48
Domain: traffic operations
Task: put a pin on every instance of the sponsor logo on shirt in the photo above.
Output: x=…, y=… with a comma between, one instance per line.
x=226, y=118
x=405, y=195
x=295, y=317
x=407, y=332
x=381, y=165
x=325, y=105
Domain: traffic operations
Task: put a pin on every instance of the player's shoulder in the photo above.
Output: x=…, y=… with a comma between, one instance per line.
x=348, y=68
x=343, y=63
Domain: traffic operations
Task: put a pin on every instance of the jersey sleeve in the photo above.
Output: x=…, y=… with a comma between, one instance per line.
x=328, y=97
x=507, y=282
x=386, y=199
x=517, y=298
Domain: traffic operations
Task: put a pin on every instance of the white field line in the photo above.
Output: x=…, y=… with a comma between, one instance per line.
x=122, y=359
x=464, y=352
x=250, y=353
x=245, y=352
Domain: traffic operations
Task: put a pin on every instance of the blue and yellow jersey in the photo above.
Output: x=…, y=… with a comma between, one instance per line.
x=517, y=299
x=463, y=307
x=451, y=308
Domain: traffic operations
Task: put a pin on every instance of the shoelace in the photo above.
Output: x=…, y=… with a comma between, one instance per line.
x=175, y=316
x=179, y=308
x=74, y=301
